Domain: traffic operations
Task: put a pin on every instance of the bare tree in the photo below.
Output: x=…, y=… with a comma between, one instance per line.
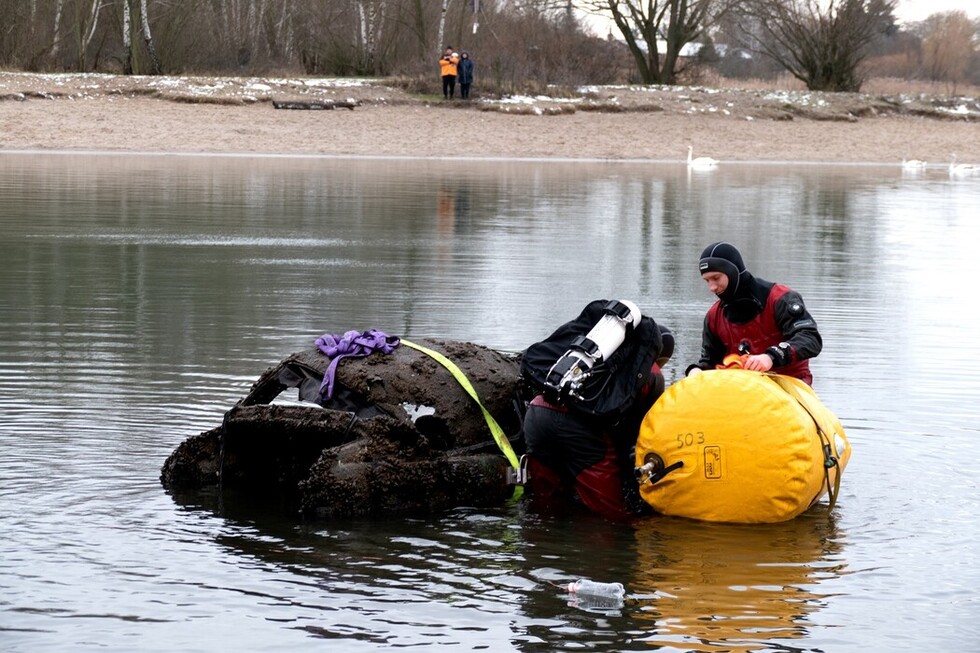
x=284, y=33
x=127, y=38
x=648, y=25
x=86, y=24
x=440, y=37
x=820, y=42
x=130, y=64
x=947, y=46
x=370, y=23
x=59, y=8
x=148, y=38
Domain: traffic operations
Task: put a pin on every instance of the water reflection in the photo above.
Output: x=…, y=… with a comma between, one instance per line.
x=706, y=587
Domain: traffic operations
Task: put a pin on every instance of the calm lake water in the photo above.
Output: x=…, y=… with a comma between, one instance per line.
x=141, y=296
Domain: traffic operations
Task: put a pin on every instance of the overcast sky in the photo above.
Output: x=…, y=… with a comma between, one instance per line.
x=915, y=10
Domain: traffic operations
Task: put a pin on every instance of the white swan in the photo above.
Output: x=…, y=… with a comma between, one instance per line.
x=913, y=164
x=701, y=163
x=961, y=169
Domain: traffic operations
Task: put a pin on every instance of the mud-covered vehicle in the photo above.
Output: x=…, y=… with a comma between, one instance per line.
x=398, y=435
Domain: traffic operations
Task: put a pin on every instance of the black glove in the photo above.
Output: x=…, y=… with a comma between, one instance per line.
x=781, y=354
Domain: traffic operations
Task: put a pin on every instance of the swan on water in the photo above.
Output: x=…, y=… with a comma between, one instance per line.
x=702, y=162
x=961, y=169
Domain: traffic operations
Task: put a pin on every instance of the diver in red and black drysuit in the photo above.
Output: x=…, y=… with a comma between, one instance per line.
x=580, y=451
x=767, y=323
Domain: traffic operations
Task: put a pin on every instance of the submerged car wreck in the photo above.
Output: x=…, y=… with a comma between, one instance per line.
x=399, y=434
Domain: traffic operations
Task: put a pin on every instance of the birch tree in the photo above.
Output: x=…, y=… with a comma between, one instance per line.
x=127, y=38
x=148, y=38
x=58, y=8
x=87, y=21
x=284, y=30
x=442, y=27
x=130, y=64
x=370, y=24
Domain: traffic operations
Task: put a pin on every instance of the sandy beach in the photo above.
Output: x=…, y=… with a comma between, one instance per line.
x=109, y=113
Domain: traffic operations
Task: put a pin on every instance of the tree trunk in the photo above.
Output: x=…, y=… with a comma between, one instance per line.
x=420, y=28
x=370, y=25
x=57, y=28
x=145, y=18
x=87, y=39
x=442, y=25
x=284, y=30
x=127, y=37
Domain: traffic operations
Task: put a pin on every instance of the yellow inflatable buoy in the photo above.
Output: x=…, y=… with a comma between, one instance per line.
x=732, y=445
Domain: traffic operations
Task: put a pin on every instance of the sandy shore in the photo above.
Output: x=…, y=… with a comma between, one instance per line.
x=386, y=123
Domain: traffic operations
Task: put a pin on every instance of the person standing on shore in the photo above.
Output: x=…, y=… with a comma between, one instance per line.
x=448, y=67
x=766, y=323
x=465, y=69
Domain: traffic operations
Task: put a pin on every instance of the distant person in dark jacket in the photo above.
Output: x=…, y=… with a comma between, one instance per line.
x=465, y=75
x=766, y=323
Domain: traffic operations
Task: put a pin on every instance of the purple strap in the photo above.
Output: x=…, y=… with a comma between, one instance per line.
x=352, y=343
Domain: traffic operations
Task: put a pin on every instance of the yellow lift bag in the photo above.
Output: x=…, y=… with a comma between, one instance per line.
x=733, y=445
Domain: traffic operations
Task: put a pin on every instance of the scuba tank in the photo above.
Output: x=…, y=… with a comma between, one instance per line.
x=597, y=363
x=568, y=377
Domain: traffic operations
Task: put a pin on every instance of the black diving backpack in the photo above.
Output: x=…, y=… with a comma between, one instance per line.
x=615, y=383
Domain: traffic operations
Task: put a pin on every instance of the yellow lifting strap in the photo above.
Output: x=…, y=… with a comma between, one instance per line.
x=831, y=455
x=498, y=433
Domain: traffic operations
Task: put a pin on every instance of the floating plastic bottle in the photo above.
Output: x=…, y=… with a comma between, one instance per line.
x=586, y=587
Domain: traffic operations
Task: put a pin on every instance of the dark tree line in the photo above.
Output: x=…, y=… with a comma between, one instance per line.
x=517, y=43
x=533, y=42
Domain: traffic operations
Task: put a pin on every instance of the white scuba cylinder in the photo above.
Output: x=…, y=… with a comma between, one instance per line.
x=599, y=344
x=610, y=331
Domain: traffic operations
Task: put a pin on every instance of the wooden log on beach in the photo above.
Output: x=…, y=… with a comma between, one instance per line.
x=316, y=105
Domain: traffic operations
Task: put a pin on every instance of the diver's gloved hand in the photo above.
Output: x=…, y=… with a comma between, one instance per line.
x=667, y=346
x=781, y=354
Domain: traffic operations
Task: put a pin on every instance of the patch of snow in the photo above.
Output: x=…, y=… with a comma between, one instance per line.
x=705, y=89
x=336, y=82
x=636, y=88
x=516, y=99
x=961, y=110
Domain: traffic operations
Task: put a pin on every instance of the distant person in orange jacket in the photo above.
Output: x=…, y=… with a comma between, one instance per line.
x=447, y=66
